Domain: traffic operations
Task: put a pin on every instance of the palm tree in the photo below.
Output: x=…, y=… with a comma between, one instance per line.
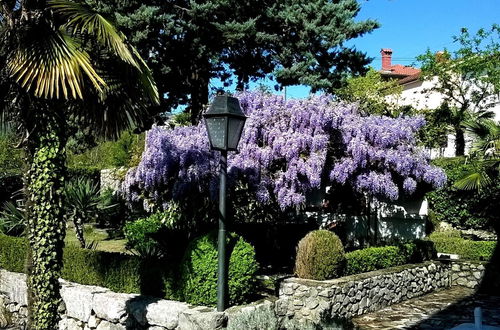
x=485, y=154
x=60, y=59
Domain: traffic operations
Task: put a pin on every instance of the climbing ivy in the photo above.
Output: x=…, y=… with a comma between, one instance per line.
x=45, y=180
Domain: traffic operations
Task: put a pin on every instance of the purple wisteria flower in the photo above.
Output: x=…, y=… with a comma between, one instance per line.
x=288, y=149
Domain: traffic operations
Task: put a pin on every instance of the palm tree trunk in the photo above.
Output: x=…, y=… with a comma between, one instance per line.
x=459, y=141
x=46, y=224
x=79, y=230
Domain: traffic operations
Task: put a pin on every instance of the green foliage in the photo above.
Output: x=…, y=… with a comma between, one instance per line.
x=320, y=256
x=13, y=252
x=241, y=40
x=11, y=158
x=464, y=209
x=12, y=219
x=466, y=78
x=446, y=234
x=118, y=272
x=198, y=281
x=370, y=92
x=138, y=233
x=124, y=152
x=46, y=227
x=374, y=258
x=466, y=249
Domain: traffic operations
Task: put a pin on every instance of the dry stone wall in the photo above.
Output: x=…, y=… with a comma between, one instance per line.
x=468, y=274
x=358, y=294
x=301, y=304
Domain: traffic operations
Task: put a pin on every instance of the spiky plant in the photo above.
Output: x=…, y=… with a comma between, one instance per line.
x=60, y=59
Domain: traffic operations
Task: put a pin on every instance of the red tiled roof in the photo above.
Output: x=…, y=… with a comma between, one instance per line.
x=399, y=70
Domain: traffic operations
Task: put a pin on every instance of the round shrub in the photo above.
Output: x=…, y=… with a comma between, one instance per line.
x=320, y=256
x=198, y=283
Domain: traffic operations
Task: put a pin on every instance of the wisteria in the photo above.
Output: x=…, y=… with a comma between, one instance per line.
x=288, y=148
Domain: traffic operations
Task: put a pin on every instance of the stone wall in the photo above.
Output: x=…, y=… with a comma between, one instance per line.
x=468, y=274
x=301, y=304
x=358, y=294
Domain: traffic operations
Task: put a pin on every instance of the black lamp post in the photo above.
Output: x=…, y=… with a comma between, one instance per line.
x=224, y=121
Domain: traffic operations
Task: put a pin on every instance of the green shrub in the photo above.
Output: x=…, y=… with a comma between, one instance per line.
x=320, y=256
x=139, y=233
x=374, y=258
x=125, y=151
x=464, y=209
x=11, y=158
x=466, y=249
x=198, y=283
x=13, y=251
x=445, y=234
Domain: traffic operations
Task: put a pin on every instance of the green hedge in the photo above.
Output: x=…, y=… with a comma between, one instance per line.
x=118, y=272
x=374, y=258
x=466, y=249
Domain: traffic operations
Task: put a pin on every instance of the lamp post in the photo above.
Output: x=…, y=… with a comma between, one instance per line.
x=224, y=121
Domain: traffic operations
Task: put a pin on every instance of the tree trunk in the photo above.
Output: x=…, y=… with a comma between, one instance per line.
x=77, y=220
x=46, y=226
x=459, y=141
x=199, y=93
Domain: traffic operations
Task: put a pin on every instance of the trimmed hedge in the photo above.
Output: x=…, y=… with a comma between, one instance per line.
x=374, y=258
x=466, y=249
x=116, y=271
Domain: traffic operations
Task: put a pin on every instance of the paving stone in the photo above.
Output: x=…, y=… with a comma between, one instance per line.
x=444, y=309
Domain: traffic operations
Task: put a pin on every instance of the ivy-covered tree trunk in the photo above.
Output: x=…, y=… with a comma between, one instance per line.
x=45, y=182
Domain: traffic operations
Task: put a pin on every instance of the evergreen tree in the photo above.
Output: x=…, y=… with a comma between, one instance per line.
x=188, y=43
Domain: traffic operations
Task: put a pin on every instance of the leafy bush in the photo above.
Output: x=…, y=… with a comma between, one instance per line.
x=320, y=256
x=139, y=233
x=11, y=158
x=446, y=234
x=198, y=281
x=374, y=258
x=126, y=151
x=464, y=209
x=118, y=272
x=466, y=249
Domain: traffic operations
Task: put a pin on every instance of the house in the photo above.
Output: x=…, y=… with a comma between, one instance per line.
x=417, y=93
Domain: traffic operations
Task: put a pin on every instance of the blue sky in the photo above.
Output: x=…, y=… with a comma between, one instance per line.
x=409, y=27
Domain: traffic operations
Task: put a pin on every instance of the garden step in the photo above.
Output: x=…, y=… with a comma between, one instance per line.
x=444, y=309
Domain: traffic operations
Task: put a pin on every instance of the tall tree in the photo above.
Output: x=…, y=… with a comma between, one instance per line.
x=468, y=78
x=189, y=43
x=61, y=59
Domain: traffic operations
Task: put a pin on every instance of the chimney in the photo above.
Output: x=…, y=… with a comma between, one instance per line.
x=386, y=58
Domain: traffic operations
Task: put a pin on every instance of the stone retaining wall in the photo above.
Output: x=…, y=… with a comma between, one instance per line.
x=358, y=294
x=301, y=304
x=468, y=274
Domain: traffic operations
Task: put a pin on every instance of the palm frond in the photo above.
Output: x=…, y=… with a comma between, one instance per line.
x=474, y=181
x=51, y=63
x=83, y=20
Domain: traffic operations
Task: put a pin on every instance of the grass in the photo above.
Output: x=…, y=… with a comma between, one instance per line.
x=104, y=242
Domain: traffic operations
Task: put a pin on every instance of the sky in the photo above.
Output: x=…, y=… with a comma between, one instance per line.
x=409, y=27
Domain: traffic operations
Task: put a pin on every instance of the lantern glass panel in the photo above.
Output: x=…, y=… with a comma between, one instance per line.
x=235, y=128
x=217, y=130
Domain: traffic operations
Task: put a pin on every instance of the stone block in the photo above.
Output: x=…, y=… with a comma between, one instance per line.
x=14, y=286
x=255, y=316
x=165, y=313
x=111, y=306
x=105, y=325
x=78, y=299
x=197, y=319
